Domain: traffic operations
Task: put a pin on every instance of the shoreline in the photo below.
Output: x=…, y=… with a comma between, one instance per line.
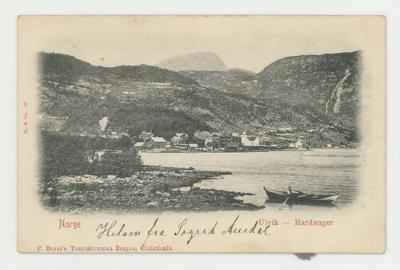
x=155, y=188
x=232, y=152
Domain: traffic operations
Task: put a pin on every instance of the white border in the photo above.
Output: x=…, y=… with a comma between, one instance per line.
x=10, y=259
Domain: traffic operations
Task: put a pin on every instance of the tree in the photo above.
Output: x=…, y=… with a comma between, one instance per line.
x=127, y=162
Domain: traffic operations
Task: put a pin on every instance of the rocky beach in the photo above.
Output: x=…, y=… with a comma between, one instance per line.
x=155, y=188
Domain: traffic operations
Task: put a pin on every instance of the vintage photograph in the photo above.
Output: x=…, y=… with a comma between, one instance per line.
x=278, y=118
x=194, y=132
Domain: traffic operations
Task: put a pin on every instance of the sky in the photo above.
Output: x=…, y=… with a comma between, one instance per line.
x=247, y=42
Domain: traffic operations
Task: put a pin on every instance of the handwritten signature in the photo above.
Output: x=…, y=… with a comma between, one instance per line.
x=183, y=229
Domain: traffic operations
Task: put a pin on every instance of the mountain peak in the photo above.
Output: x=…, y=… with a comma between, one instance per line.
x=193, y=61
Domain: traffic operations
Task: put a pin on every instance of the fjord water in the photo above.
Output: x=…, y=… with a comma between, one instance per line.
x=317, y=171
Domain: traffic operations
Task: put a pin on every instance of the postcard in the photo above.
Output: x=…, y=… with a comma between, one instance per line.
x=201, y=134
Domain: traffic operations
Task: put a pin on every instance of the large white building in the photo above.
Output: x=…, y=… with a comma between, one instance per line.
x=250, y=140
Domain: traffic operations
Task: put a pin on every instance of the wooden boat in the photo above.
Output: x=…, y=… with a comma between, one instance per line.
x=297, y=197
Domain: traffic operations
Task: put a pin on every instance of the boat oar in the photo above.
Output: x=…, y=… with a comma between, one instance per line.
x=284, y=203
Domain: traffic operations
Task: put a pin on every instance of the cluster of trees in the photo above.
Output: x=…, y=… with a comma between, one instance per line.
x=74, y=155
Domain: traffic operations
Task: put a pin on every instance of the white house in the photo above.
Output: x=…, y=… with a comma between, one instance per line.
x=298, y=144
x=179, y=138
x=193, y=146
x=138, y=145
x=250, y=140
x=209, y=143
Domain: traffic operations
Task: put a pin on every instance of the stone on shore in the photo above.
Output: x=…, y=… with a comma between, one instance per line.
x=155, y=188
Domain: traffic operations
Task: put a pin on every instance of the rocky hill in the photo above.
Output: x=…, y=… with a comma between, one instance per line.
x=326, y=84
x=312, y=79
x=194, y=61
x=235, y=81
x=137, y=98
x=329, y=84
x=70, y=69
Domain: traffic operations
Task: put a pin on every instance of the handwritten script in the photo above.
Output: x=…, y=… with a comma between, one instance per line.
x=183, y=230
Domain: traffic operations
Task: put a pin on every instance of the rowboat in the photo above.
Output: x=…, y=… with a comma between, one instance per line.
x=299, y=197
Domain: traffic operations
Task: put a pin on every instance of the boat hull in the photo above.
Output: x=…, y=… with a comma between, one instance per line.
x=300, y=198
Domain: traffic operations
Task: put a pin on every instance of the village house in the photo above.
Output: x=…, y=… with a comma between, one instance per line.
x=271, y=130
x=179, y=138
x=139, y=146
x=250, y=140
x=183, y=136
x=144, y=136
x=298, y=144
x=155, y=143
x=176, y=140
x=236, y=139
x=193, y=146
x=202, y=138
x=209, y=143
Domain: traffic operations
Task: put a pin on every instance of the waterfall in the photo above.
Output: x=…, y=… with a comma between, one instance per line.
x=337, y=92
